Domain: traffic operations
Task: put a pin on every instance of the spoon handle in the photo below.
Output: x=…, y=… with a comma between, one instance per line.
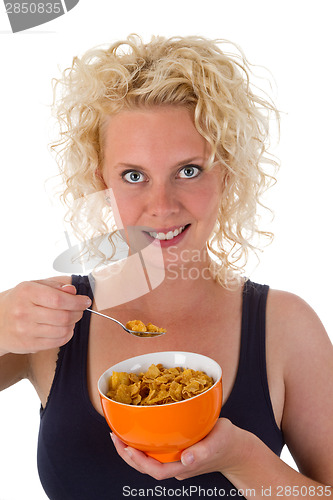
x=104, y=316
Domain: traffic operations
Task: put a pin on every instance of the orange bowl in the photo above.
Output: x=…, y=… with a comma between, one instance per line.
x=164, y=431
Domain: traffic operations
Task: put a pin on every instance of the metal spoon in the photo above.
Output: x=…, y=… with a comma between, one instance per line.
x=133, y=332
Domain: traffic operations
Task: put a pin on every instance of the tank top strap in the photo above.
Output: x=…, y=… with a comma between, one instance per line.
x=80, y=338
x=82, y=285
x=253, y=334
x=249, y=404
x=71, y=368
x=252, y=359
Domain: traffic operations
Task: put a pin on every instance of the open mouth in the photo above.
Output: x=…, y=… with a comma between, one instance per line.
x=170, y=235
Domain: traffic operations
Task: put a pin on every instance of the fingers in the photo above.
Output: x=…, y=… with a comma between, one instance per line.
x=216, y=452
x=55, y=295
x=69, y=289
x=55, y=317
x=144, y=464
x=37, y=344
x=40, y=304
x=39, y=315
x=121, y=450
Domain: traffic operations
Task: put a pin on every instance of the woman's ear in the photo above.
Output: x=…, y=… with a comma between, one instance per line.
x=99, y=176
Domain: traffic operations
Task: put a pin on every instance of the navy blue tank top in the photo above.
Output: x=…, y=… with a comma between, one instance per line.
x=76, y=458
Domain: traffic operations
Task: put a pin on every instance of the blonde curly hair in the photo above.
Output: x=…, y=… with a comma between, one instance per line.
x=189, y=71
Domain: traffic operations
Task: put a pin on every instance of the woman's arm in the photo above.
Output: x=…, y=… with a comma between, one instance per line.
x=13, y=368
x=307, y=421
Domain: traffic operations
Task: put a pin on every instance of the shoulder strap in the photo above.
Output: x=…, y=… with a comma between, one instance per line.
x=252, y=360
x=82, y=285
x=249, y=405
x=72, y=356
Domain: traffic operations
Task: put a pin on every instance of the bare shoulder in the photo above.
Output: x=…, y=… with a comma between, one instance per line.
x=294, y=321
x=302, y=352
x=281, y=302
x=296, y=335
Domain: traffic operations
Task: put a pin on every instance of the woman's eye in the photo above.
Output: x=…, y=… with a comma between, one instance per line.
x=133, y=176
x=189, y=171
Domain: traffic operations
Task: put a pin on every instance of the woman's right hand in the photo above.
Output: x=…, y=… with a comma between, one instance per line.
x=39, y=315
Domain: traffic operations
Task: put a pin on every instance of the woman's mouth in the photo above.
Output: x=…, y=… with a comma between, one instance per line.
x=168, y=236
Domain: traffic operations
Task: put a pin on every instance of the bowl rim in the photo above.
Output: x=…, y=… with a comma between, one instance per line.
x=165, y=404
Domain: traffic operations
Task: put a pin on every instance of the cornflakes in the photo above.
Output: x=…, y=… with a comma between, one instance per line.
x=158, y=385
x=138, y=326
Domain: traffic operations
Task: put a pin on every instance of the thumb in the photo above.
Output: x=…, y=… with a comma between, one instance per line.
x=58, y=284
x=187, y=457
x=69, y=289
x=72, y=291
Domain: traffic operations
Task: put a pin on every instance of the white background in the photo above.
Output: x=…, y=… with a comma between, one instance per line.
x=292, y=38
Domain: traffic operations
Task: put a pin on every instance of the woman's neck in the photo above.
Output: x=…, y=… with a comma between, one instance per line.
x=175, y=296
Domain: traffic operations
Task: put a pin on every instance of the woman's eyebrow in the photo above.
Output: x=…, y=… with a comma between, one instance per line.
x=128, y=165
x=176, y=165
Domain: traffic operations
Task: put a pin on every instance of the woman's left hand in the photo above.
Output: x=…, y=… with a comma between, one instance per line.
x=224, y=449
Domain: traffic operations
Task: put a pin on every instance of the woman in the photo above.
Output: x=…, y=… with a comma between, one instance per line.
x=172, y=134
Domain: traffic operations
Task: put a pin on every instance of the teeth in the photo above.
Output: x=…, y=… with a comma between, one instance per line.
x=168, y=236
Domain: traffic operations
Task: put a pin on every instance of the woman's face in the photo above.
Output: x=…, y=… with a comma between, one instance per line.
x=154, y=163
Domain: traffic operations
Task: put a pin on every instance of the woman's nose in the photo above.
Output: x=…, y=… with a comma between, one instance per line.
x=162, y=201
